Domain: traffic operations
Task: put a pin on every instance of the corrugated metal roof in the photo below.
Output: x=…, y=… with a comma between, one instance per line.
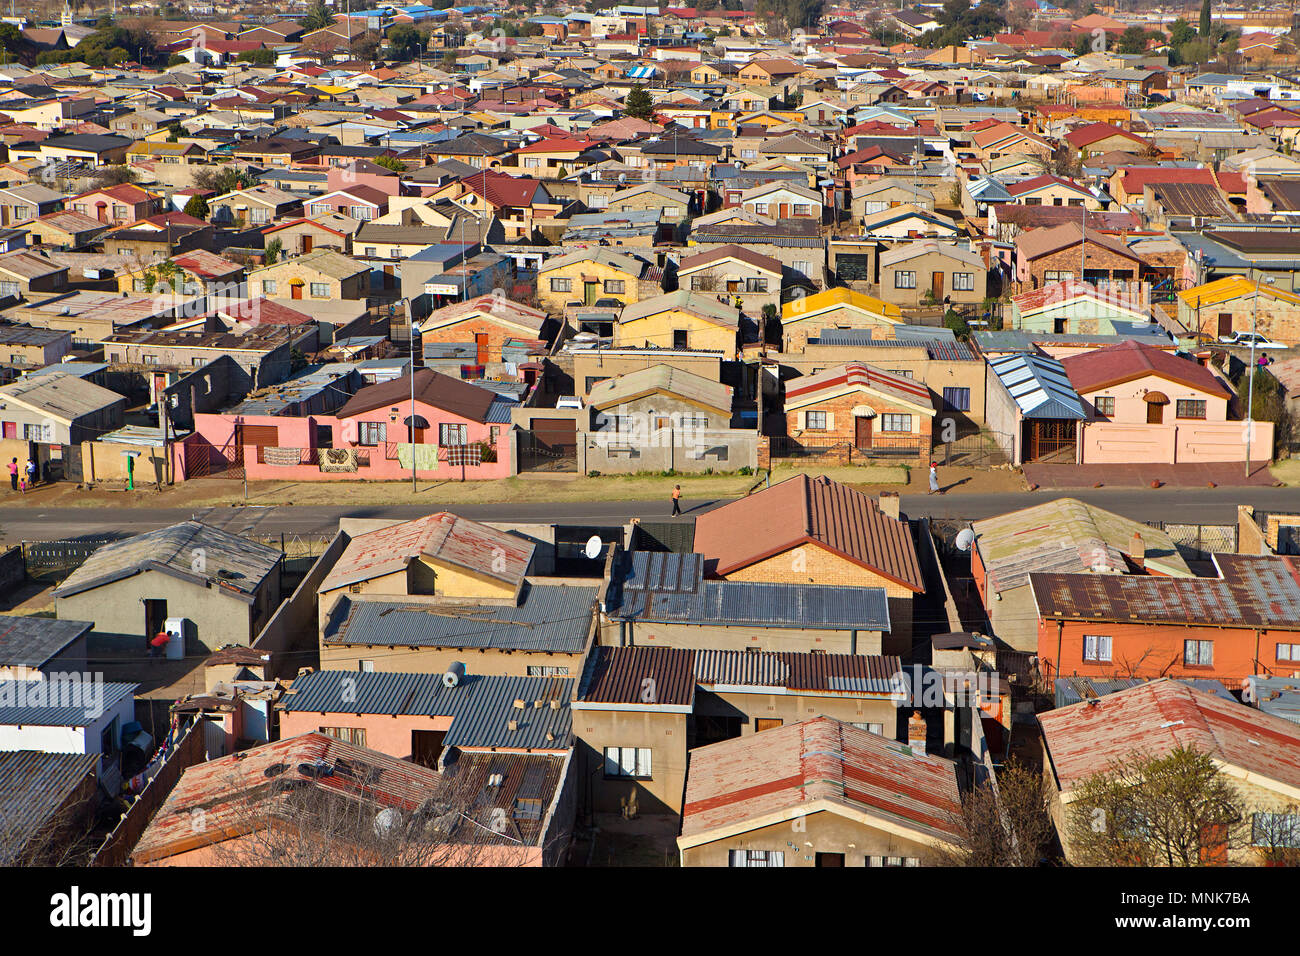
x=1279, y=696
x=652, y=676
x=1038, y=385
x=236, y=564
x=823, y=759
x=33, y=786
x=481, y=706
x=1163, y=715
x=32, y=641
x=59, y=703
x=550, y=618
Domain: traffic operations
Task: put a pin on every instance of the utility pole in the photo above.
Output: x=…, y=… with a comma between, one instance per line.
x=1250, y=390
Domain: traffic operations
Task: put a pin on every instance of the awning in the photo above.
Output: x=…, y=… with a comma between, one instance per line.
x=420, y=421
x=1156, y=398
x=863, y=411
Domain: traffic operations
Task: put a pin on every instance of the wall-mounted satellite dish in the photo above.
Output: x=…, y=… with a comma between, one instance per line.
x=593, y=547
x=965, y=538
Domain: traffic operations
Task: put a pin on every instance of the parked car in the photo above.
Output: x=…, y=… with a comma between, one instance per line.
x=1245, y=339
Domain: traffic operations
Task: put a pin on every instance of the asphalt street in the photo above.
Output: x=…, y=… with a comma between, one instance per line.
x=1205, y=506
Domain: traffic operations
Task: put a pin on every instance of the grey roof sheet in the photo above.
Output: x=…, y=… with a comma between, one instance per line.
x=233, y=563
x=1038, y=385
x=58, y=703
x=669, y=588
x=551, y=618
x=481, y=705
x=31, y=641
x=33, y=786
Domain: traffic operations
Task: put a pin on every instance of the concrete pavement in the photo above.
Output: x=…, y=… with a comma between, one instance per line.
x=1205, y=506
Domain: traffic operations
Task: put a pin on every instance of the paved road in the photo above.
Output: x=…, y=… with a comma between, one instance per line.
x=1207, y=506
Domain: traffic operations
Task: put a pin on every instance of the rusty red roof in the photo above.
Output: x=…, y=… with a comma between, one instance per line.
x=649, y=676
x=1155, y=718
x=808, y=510
x=735, y=785
x=442, y=537
x=860, y=375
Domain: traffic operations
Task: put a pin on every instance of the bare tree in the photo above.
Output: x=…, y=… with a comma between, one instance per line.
x=1002, y=822
x=1171, y=810
x=67, y=838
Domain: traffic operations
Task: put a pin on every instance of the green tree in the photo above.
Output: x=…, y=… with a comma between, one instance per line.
x=1133, y=40
x=258, y=57
x=197, y=207
x=404, y=42
x=638, y=103
x=273, y=250
x=1180, y=32
x=1082, y=45
x=1174, y=810
x=365, y=46
x=1205, y=19
x=390, y=162
x=318, y=16
x=176, y=60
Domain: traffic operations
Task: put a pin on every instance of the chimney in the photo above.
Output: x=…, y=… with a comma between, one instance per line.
x=1137, y=551
x=916, y=733
x=889, y=503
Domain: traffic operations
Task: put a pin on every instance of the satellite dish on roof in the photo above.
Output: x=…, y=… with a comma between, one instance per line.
x=593, y=547
x=965, y=538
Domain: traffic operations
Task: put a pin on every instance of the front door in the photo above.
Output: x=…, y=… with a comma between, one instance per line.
x=295, y=291
x=1225, y=323
x=481, y=348
x=155, y=617
x=830, y=859
x=936, y=285
x=1155, y=414
x=306, y=244
x=590, y=292
x=783, y=210
x=862, y=432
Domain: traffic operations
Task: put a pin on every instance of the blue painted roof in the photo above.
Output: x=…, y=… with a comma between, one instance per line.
x=1038, y=385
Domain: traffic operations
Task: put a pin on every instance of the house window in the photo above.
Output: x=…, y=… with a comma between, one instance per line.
x=895, y=423
x=904, y=280
x=956, y=399
x=816, y=421
x=1275, y=830
x=108, y=739
x=356, y=736
x=119, y=212
x=755, y=285
x=371, y=252
x=1288, y=652
x=450, y=435
x=681, y=339
x=33, y=432
x=802, y=209
x=139, y=285
x=1057, y=276
x=547, y=670
x=395, y=252
x=561, y=285
x=802, y=267
x=1105, y=405
x=614, y=286
x=366, y=667
x=963, y=281
x=877, y=729
x=1190, y=408
x=892, y=861
x=1096, y=647
x=372, y=433
x=268, y=287
x=756, y=858
x=320, y=290
x=1198, y=653
x=631, y=763
x=760, y=208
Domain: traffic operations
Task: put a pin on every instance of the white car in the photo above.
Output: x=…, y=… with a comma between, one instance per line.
x=1246, y=339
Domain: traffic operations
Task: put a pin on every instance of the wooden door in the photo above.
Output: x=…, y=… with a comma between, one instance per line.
x=295, y=291
x=783, y=210
x=862, y=432
x=1225, y=323
x=481, y=347
x=306, y=244
x=1155, y=414
x=590, y=291
x=936, y=285
x=766, y=723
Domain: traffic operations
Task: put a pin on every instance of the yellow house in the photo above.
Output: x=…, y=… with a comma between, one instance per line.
x=838, y=308
x=706, y=73
x=589, y=276
x=679, y=320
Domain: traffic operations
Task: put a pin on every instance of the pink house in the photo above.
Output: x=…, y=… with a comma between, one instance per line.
x=460, y=431
x=1146, y=404
x=359, y=202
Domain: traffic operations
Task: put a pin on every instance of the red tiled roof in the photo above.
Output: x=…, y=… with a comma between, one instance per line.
x=432, y=388
x=501, y=189
x=1135, y=177
x=1113, y=364
x=808, y=510
x=1096, y=132
x=867, y=376
x=1038, y=182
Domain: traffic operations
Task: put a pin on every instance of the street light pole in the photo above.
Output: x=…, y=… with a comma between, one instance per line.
x=410, y=315
x=1250, y=389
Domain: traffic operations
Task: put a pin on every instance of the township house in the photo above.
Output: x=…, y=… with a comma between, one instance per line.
x=816, y=531
x=1056, y=254
x=226, y=586
x=1074, y=307
x=58, y=409
x=1064, y=536
x=320, y=274
x=421, y=595
x=740, y=273
x=681, y=320
x=1258, y=754
x=873, y=411
x=1031, y=408
x=1241, y=623
x=1146, y=404
x=489, y=322
x=805, y=317
x=585, y=278
x=527, y=793
x=860, y=799
x=633, y=750
x=373, y=435
x=1236, y=304
x=947, y=273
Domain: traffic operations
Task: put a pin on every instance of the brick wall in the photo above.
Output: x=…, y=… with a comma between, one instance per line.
x=1100, y=259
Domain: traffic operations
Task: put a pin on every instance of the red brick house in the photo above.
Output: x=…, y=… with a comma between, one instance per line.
x=489, y=322
x=874, y=411
x=117, y=205
x=1056, y=254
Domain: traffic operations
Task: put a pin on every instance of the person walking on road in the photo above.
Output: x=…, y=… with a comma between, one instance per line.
x=677, y=500
x=13, y=474
x=934, y=479
x=31, y=473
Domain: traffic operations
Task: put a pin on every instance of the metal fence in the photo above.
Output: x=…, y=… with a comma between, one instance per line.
x=55, y=560
x=843, y=449
x=980, y=450
x=1197, y=542
x=538, y=454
